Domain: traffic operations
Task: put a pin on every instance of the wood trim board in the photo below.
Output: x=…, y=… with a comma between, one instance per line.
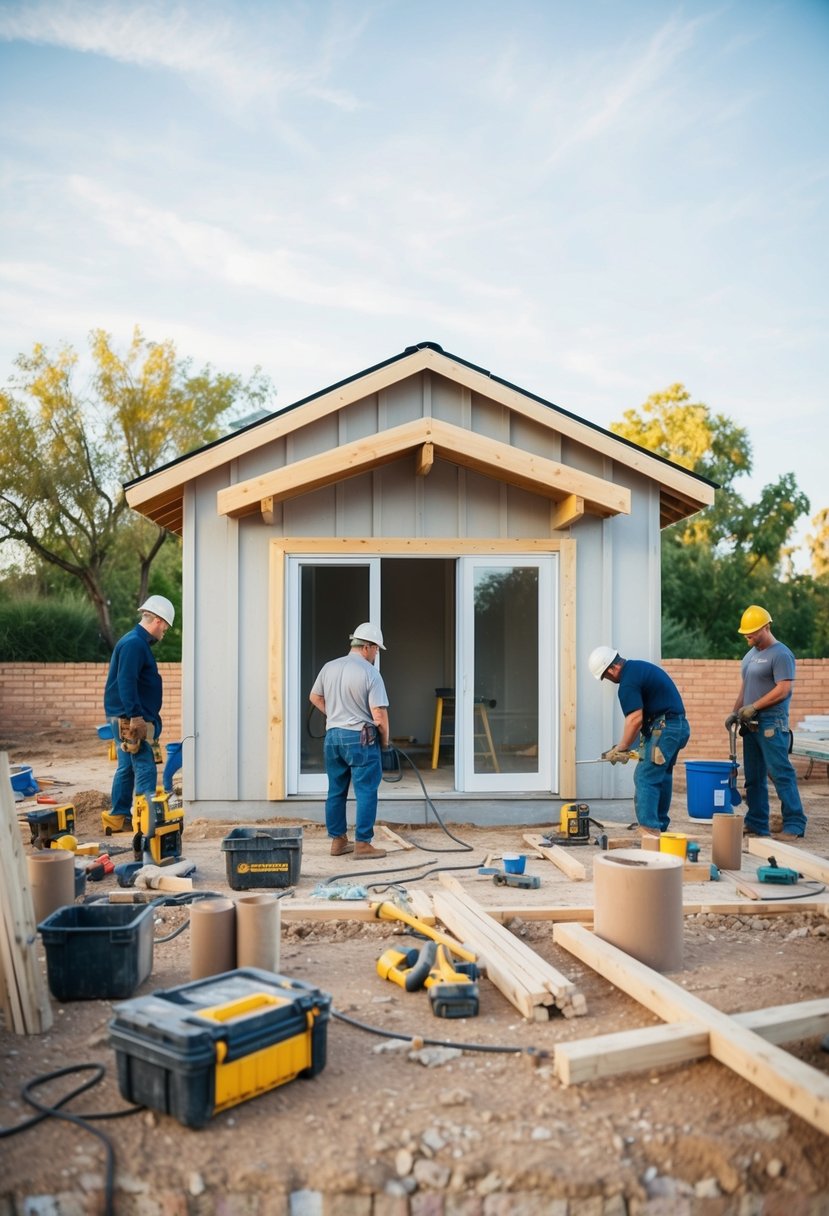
x=789, y=1081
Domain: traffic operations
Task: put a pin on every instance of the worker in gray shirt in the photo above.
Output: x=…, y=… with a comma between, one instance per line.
x=351, y=693
x=762, y=712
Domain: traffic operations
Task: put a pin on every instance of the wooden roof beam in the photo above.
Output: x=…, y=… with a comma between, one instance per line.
x=515, y=466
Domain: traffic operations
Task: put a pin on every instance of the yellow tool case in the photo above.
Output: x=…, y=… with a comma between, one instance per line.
x=195, y=1050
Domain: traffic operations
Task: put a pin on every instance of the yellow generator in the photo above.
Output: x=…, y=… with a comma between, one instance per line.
x=158, y=829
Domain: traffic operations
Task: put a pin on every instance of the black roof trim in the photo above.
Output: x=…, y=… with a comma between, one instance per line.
x=396, y=359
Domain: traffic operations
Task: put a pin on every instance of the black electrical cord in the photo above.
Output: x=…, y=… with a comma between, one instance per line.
x=463, y=847
x=537, y=1053
x=83, y=1121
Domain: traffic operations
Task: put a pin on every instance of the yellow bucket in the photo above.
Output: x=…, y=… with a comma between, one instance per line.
x=673, y=842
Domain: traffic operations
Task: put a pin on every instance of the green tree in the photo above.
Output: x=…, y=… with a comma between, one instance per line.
x=65, y=452
x=735, y=552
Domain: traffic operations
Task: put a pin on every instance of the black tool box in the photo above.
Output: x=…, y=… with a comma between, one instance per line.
x=195, y=1050
x=262, y=857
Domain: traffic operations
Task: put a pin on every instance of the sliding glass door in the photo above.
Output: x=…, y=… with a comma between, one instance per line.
x=506, y=722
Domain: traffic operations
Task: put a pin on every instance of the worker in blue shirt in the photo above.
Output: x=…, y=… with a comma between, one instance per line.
x=132, y=704
x=655, y=721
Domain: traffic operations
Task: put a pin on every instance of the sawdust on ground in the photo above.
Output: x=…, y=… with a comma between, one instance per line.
x=692, y=1137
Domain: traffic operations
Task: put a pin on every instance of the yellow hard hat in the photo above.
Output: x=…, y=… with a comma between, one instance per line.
x=754, y=618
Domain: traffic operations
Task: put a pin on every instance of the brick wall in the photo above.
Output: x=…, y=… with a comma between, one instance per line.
x=709, y=688
x=46, y=696
x=68, y=696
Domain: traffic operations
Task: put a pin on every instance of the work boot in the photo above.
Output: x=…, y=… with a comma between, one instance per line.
x=340, y=845
x=788, y=835
x=364, y=848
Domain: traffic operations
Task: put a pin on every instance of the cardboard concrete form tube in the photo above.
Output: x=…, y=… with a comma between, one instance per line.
x=52, y=881
x=258, y=924
x=212, y=937
x=638, y=905
x=727, y=841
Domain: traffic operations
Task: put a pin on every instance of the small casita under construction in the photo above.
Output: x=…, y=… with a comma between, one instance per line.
x=497, y=539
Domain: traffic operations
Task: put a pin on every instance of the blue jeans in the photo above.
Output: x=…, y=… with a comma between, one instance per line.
x=654, y=777
x=766, y=754
x=133, y=774
x=348, y=762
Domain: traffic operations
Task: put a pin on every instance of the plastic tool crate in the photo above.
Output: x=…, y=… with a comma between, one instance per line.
x=97, y=951
x=262, y=857
x=193, y=1051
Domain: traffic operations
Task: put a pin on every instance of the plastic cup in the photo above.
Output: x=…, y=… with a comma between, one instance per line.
x=514, y=863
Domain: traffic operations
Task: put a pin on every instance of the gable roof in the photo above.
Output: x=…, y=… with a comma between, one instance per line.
x=159, y=495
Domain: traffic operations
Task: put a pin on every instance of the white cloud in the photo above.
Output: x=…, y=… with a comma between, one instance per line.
x=225, y=55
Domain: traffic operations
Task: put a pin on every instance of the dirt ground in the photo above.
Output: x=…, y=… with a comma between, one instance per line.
x=384, y=1128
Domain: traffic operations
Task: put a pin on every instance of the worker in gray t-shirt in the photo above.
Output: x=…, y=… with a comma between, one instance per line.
x=351, y=693
x=762, y=712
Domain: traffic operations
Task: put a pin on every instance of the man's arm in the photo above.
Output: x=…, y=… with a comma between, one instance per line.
x=380, y=716
x=630, y=732
x=317, y=701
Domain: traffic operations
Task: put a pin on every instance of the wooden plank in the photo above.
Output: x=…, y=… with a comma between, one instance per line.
x=25, y=997
x=358, y=909
x=609, y=1055
x=499, y=973
x=567, y=997
x=391, y=835
x=810, y=864
x=789, y=1081
x=559, y=856
x=492, y=948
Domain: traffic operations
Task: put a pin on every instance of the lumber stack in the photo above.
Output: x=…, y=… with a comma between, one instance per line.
x=22, y=988
x=529, y=983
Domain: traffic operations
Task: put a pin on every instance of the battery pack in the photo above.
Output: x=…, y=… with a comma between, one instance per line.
x=204, y=1047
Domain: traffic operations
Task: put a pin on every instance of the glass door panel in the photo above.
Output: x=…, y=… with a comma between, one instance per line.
x=327, y=598
x=505, y=732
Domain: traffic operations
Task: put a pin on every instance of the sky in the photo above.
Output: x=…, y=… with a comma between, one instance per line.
x=592, y=200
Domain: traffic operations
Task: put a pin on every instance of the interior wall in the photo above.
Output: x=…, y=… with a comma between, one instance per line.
x=418, y=597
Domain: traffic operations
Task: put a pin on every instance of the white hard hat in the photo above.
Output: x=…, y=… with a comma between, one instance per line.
x=159, y=605
x=368, y=633
x=600, y=659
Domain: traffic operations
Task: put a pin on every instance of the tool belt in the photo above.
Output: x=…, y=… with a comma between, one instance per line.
x=130, y=744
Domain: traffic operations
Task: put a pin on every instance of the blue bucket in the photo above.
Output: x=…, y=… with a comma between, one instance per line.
x=708, y=787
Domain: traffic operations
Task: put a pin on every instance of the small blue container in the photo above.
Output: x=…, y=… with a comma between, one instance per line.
x=22, y=780
x=514, y=863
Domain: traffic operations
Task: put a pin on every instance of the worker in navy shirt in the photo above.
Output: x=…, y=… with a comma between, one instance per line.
x=655, y=721
x=132, y=703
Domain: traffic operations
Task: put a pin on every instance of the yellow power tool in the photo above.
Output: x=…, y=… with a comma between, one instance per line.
x=453, y=990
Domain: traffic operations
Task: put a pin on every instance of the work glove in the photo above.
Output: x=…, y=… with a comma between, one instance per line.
x=615, y=756
x=138, y=729
x=731, y=720
x=747, y=713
